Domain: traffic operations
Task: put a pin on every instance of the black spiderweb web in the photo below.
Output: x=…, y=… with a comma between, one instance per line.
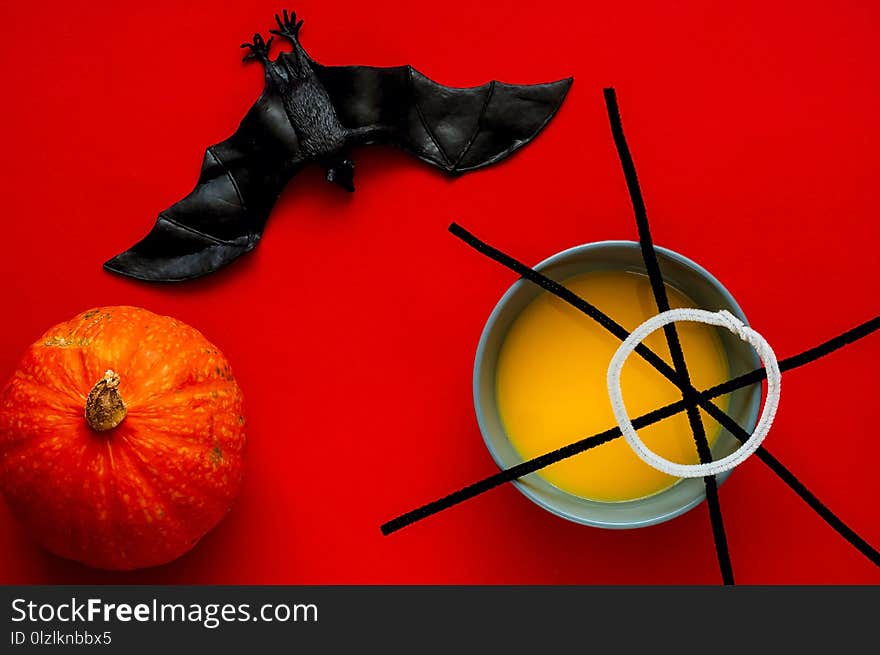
x=692, y=399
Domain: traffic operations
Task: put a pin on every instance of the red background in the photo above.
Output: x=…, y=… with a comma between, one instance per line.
x=352, y=328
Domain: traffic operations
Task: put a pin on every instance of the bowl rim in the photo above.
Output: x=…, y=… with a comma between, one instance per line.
x=480, y=355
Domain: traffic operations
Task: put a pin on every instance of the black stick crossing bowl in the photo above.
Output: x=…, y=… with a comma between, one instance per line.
x=693, y=281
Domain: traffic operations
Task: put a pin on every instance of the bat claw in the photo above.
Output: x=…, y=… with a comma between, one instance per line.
x=259, y=49
x=288, y=26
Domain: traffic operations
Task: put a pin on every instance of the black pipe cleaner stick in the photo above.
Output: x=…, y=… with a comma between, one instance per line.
x=530, y=466
x=658, y=288
x=690, y=397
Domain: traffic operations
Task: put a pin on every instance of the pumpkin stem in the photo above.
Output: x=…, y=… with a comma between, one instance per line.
x=104, y=407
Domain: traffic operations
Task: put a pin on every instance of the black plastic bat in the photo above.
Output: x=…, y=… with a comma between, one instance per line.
x=312, y=113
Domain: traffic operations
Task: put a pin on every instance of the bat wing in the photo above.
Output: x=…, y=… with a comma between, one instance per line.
x=224, y=216
x=455, y=129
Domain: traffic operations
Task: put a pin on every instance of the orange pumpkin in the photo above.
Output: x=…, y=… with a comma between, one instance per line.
x=121, y=438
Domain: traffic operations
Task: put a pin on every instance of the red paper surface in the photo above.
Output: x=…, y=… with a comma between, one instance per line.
x=352, y=328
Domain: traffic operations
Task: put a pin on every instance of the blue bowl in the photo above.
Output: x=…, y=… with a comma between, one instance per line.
x=679, y=272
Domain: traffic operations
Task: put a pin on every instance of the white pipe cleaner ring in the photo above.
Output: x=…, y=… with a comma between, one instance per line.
x=721, y=319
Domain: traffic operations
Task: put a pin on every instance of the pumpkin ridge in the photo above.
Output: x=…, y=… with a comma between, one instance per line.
x=99, y=334
x=229, y=436
x=169, y=436
x=106, y=483
x=143, y=478
x=208, y=383
x=205, y=490
x=13, y=438
x=77, y=530
x=84, y=371
x=232, y=445
x=134, y=460
x=36, y=399
x=147, y=373
x=10, y=447
x=65, y=387
x=71, y=375
x=109, y=496
x=116, y=506
x=90, y=339
x=152, y=329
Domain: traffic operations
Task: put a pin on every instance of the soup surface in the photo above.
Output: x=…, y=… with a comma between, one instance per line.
x=551, y=386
